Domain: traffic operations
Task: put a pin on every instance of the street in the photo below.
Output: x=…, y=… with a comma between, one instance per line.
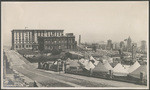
x=55, y=79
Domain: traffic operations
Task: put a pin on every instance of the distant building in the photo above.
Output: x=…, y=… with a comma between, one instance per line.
x=117, y=47
x=109, y=44
x=143, y=46
x=28, y=39
x=122, y=45
x=134, y=50
x=102, y=46
x=129, y=44
x=79, y=40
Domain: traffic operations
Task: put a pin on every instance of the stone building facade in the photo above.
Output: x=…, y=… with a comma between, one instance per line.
x=61, y=42
x=28, y=39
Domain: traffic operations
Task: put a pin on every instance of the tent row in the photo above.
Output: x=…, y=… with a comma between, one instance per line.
x=94, y=67
x=119, y=70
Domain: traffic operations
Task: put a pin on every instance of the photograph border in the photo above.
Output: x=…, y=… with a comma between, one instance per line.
x=70, y=87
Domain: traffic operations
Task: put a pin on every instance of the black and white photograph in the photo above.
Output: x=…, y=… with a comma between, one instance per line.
x=75, y=45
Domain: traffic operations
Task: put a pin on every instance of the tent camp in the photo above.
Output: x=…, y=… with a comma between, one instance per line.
x=83, y=62
x=134, y=67
x=95, y=61
x=108, y=66
x=100, y=68
x=120, y=70
x=136, y=73
x=89, y=65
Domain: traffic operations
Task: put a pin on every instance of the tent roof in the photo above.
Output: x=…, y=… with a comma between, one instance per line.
x=100, y=68
x=91, y=58
x=119, y=68
x=89, y=65
x=95, y=61
x=134, y=67
x=136, y=73
x=108, y=66
x=73, y=63
x=83, y=61
x=113, y=64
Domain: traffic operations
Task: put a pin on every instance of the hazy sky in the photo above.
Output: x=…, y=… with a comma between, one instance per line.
x=95, y=21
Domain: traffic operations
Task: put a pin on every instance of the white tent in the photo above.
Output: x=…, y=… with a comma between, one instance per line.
x=55, y=63
x=95, y=61
x=91, y=58
x=86, y=64
x=108, y=66
x=83, y=62
x=89, y=65
x=134, y=67
x=119, y=70
x=136, y=73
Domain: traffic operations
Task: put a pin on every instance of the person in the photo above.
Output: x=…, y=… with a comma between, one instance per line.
x=35, y=85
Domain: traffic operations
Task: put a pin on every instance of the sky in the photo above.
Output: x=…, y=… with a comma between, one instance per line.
x=94, y=21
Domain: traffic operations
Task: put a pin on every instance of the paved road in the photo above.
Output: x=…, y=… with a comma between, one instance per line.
x=54, y=79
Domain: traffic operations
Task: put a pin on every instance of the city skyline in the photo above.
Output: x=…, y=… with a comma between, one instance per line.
x=95, y=22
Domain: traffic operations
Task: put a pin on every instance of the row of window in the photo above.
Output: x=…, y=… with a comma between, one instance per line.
x=49, y=33
x=23, y=46
x=51, y=47
x=54, y=42
x=60, y=47
x=24, y=42
x=59, y=41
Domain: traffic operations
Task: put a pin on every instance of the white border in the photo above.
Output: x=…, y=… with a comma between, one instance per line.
x=2, y=87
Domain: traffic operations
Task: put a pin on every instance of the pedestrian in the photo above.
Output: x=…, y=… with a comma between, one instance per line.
x=34, y=84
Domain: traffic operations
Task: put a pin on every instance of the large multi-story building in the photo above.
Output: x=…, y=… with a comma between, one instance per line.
x=62, y=42
x=28, y=39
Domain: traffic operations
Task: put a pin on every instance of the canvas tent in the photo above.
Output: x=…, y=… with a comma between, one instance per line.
x=136, y=73
x=108, y=66
x=89, y=65
x=100, y=68
x=95, y=61
x=119, y=70
x=83, y=62
x=134, y=67
x=73, y=66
